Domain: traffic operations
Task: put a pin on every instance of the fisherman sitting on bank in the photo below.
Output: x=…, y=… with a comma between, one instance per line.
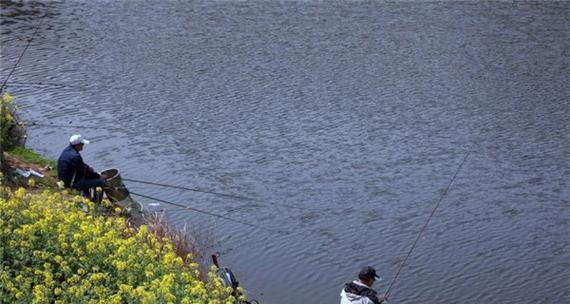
x=360, y=291
x=74, y=172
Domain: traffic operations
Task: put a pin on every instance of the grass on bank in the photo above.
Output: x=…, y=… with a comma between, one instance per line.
x=31, y=156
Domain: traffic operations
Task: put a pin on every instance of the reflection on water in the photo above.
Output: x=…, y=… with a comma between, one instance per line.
x=345, y=121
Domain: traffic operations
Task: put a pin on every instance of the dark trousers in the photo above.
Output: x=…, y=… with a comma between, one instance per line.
x=85, y=185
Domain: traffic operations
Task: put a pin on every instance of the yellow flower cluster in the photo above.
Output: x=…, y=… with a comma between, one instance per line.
x=7, y=120
x=6, y=103
x=52, y=251
x=6, y=117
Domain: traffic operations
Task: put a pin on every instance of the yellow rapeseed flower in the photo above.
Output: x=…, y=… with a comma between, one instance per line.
x=7, y=97
x=82, y=257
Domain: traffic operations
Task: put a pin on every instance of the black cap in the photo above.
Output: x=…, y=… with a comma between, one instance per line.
x=367, y=272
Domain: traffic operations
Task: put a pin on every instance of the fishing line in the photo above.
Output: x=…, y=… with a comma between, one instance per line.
x=427, y=222
x=44, y=84
x=14, y=69
x=21, y=56
x=187, y=189
x=39, y=124
x=262, y=203
x=82, y=88
x=187, y=208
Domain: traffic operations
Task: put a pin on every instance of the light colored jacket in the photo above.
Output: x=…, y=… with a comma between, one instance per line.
x=348, y=297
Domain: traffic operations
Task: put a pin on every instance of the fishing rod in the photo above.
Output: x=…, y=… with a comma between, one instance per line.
x=442, y=196
x=44, y=84
x=3, y=86
x=187, y=208
x=39, y=124
x=83, y=88
x=21, y=56
x=187, y=189
x=263, y=203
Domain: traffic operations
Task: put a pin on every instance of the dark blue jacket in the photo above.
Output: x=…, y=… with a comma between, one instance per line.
x=71, y=168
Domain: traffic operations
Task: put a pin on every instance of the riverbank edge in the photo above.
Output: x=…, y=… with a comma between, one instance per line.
x=17, y=156
x=20, y=157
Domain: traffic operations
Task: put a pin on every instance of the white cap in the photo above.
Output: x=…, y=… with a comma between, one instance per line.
x=77, y=139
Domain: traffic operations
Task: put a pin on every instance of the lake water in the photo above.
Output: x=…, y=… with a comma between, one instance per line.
x=345, y=121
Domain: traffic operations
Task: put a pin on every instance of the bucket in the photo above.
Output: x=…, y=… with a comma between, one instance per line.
x=118, y=193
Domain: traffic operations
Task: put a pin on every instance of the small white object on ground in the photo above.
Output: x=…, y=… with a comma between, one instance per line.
x=27, y=173
x=23, y=173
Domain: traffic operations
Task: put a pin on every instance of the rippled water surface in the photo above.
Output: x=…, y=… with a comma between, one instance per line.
x=345, y=121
